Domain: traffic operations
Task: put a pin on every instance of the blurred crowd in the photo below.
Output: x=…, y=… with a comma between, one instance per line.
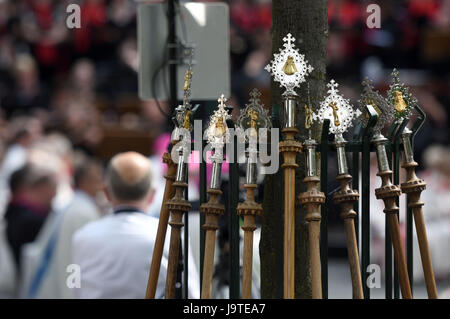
x=62, y=91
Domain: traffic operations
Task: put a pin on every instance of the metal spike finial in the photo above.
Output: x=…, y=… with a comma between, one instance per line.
x=188, y=81
x=184, y=113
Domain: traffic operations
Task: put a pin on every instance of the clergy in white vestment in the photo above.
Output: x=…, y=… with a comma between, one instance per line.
x=113, y=254
x=50, y=278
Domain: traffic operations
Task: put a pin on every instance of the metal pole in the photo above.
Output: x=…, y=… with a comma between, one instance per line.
x=324, y=207
x=234, y=225
x=172, y=51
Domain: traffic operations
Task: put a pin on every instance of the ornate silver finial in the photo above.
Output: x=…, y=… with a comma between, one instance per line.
x=184, y=112
x=337, y=109
x=217, y=131
x=188, y=81
x=401, y=100
x=378, y=102
x=289, y=67
x=254, y=116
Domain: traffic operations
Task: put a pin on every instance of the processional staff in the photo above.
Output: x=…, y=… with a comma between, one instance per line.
x=253, y=118
x=217, y=134
x=388, y=192
x=289, y=68
x=312, y=199
x=402, y=103
x=178, y=205
x=338, y=110
x=182, y=120
x=372, y=99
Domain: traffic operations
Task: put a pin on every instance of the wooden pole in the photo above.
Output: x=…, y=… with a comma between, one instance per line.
x=389, y=193
x=178, y=205
x=413, y=187
x=212, y=209
x=346, y=198
x=162, y=228
x=312, y=199
x=289, y=148
x=249, y=209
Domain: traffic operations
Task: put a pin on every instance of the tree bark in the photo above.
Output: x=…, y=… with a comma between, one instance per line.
x=307, y=21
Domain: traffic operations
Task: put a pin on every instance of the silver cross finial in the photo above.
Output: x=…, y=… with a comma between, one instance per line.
x=290, y=41
x=222, y=99
x=254, y=96
x=333, y=86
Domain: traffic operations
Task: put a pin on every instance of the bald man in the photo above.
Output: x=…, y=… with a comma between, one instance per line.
x=112, y=255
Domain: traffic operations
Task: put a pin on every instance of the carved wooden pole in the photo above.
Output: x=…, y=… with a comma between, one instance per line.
x=217, y=134
x=178, y=205
x=289, y=147
x=212, y=209
x=162, y=227
x=249, y=209
x=413, y=187
x=389, y=193
x=312, y=199
x=346, y=198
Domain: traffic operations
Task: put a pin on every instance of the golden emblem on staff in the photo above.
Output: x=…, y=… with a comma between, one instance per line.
x=253, y=122
x=335, y=108
x=219, y=129
x=187, y=120
x=399, y=102
x=289, y=67
x=187, y=80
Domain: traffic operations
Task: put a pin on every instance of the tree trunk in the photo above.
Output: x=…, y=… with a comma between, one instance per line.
x=307, y=21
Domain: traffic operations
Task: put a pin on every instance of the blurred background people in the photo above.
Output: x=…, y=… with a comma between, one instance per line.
x=33, y=190
x=23, y=132
x=50, y=277
x=114, y=253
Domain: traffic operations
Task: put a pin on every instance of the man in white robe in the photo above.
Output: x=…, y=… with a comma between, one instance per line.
x=113, y=255
x=50, y=277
